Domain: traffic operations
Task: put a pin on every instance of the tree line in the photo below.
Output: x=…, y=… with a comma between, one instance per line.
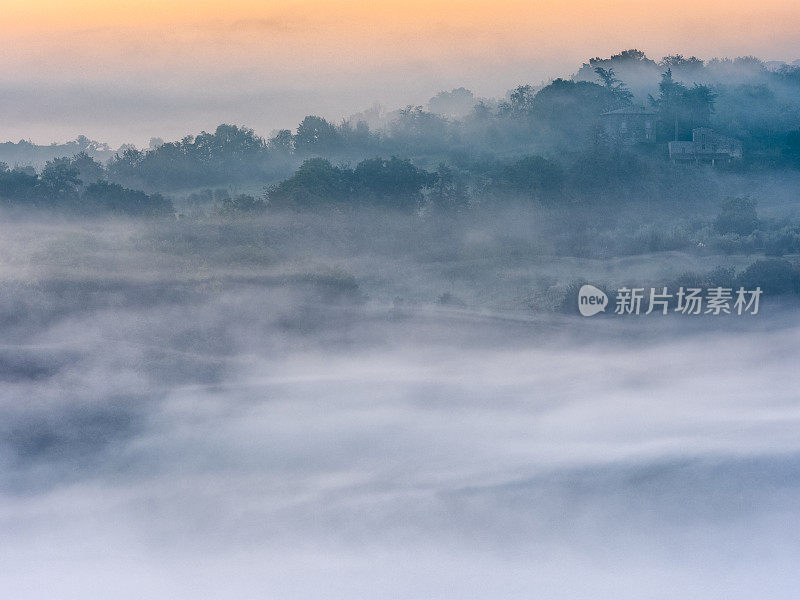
x=546, y=142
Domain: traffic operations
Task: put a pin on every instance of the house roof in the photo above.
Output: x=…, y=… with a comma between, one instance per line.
x=632, y=110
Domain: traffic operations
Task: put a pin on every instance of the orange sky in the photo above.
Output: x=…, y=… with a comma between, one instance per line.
x=347, y=54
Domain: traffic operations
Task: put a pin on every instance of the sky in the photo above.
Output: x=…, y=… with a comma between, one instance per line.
x=127, y=71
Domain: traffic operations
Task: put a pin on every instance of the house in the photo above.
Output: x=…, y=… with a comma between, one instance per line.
x=631, y=125
x=707, y=146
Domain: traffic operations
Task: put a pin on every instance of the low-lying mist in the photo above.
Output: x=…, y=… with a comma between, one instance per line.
x=328, y=405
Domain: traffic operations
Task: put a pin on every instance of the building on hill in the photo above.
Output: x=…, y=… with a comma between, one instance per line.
x=631, y=125
x=706, y=146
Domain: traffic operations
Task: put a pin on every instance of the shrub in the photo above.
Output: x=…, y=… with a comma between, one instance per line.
x=738, y=216
x=242, y=205
x=110, y=197
x=773, y=275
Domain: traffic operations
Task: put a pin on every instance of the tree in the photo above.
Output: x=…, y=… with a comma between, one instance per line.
x=791, y=148
x=242, y=205
x=670, y=100
x=535, y=177
x=614, y=85
x=125, y=167
x=454, y=104
x=395, y=182
x=690, y=67
x=316, y=183
x=315, y=135
x=448, y=192
x=357, y=137
x=680, y=108
x=60, y=179
x=415, y=130
x=228, y=143
x=738, y=216
x=231, y=153
x=629, y=65
x=520, y=101
x=698, y=103
x=18, y=185
x=571, y=109
x=772, y=275
x=89, y=170
x=110, y=197
x=282, y=142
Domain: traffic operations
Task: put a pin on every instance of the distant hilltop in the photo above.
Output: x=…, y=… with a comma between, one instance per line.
x=752, y=108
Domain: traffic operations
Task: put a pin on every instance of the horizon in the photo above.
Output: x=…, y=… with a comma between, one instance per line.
x=143, y=144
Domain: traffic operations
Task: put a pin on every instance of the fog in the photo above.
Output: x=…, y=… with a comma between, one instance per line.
x=126, y=73
x=286, y=407
x=347, y=359
x=131, y=111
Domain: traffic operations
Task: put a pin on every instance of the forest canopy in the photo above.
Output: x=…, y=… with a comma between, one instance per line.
x=545, y=142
